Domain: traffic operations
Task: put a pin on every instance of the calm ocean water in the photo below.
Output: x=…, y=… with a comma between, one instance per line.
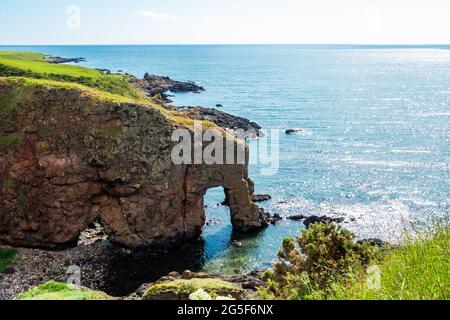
x=375, y=147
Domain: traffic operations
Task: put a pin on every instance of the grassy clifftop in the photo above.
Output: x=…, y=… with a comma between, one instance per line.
x=28, y=70
x=36, y=66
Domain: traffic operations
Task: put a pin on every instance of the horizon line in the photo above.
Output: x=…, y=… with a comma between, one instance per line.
x=232, y=44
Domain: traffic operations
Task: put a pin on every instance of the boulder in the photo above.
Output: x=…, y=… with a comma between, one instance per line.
x=261, y=197
x=181, y=289
x=293, y=131
x=323, y=219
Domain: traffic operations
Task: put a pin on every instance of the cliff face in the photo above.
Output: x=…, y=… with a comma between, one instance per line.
x=68, y=157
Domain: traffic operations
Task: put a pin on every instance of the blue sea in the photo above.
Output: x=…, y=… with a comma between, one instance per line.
x=375, y=140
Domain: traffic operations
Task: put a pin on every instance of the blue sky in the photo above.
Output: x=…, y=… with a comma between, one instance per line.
x=224, y=21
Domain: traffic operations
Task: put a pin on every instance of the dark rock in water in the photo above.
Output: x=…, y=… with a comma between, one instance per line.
x=297, y=217
x=261, y=197
x=324, y=219
x=225, y=120
x=59, y=60
x=153, y=85
x=268, y=218
x=373, y=242
x=219, y=105
x=292, y=131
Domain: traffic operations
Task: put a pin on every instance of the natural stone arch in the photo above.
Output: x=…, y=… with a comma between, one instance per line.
x=81, y=158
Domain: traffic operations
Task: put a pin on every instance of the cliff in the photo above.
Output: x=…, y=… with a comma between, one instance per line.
x=72, y=154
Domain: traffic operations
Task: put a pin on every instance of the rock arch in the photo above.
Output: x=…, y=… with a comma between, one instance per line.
x=81, y=158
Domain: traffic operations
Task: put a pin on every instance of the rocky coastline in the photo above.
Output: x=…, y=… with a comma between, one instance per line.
x=64, y=198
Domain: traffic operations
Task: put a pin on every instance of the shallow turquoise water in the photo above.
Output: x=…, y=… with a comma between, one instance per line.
x=375, y=147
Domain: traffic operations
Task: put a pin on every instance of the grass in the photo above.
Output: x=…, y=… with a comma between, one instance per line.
x=34, y=65
x=7, y=255
x=61, y=291
x=418, y=270
x=31, y=83
x=31, y=70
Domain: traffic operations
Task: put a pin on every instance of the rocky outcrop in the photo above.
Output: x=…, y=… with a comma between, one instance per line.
x=69, y=158
x=177, y=286
x=153, y=85
x=225, y=120
x=323, y=219
x=60, y=60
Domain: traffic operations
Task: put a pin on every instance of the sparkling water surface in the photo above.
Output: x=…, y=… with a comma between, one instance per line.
x=375, y=144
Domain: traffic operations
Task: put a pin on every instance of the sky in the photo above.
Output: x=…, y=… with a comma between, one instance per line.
x=48, y=22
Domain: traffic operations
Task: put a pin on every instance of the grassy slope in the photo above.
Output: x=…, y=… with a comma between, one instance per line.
x=61, y=291
x=34, y=65
x=419, y=270
x=6, y=257
x=28, y=69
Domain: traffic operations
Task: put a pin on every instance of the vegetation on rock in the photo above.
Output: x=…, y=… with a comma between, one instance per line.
x=10, y=140
x=182, y=289
x=61, y=291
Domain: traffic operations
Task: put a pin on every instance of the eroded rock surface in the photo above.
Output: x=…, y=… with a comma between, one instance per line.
x=68, y=158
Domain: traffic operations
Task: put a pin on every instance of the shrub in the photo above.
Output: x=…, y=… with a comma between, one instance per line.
x=309, y=265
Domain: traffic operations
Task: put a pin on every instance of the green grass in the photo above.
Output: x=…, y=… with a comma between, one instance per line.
x=30, y=83
x=34, y=65
x=61, y=291
x=30, y=70
x=418, y=270
x=7, y=255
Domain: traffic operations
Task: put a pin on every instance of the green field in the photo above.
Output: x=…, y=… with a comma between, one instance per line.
x=60, y=291
x=34, y=65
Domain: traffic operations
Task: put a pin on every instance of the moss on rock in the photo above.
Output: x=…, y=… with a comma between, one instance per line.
x=10, y=141
x=61, y=291
x=181, y=289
